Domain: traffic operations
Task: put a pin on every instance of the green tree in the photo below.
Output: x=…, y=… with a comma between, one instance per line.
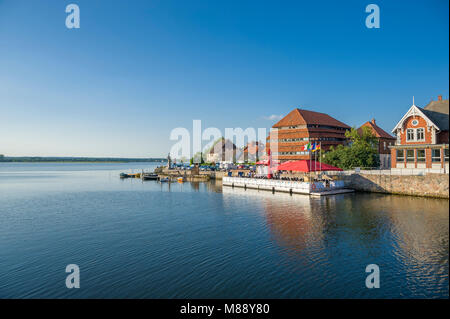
x=361, y=151
x=197, y=158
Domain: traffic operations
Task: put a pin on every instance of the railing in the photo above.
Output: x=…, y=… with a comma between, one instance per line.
x=393, y=171
x=282, y=185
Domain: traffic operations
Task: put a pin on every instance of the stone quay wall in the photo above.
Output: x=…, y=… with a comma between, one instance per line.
x=429, y=185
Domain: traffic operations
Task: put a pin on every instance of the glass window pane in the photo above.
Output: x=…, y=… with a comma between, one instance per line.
x=410, y=155
x=436, y=155
x=420, y=134
x=421, y=155
x=409, y=134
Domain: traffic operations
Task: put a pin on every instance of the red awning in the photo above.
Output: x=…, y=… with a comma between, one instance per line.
x=266, y=162
x=306, y=166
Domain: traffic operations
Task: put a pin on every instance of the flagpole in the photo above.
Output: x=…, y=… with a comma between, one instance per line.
x=309, y=150
x=315, y=168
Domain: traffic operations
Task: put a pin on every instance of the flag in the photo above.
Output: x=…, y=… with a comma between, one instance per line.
x=316, y=147
x=307, y=147
x=313, y=147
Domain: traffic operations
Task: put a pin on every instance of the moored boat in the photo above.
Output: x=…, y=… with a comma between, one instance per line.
x=149, y=176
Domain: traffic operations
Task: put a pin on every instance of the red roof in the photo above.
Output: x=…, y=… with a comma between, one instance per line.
x=306, y=166
x=304, y=117
x=254, y=148
x=267, y=162
x=377, y=131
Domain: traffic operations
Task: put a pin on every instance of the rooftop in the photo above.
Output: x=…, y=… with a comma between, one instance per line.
x=305, y=117
x=377, y=131
x=437, y=112
x=439, y=106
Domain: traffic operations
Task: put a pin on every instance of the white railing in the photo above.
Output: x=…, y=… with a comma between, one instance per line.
x=281, y=185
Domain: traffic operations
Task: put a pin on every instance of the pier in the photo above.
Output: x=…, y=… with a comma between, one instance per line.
x=286, y=186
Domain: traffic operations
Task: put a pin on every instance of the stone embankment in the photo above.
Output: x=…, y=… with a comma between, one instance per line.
x=429, y=185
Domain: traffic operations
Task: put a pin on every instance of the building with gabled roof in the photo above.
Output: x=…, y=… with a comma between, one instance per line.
x=384, y=141
x=289, y=135
x=223, y=150
x=422, y=137
x=252, y=152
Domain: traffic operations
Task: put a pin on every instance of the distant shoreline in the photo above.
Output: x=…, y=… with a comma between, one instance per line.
x=37, y=159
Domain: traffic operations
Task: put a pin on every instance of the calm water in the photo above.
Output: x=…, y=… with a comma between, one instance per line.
x=134, y=239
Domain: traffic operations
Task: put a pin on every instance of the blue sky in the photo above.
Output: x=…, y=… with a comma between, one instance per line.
x=137, y=69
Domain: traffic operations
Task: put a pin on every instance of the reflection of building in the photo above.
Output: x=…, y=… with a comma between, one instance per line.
x=422, y=137
x=222, y=151
x=301, y=127
x=289, y=218
x=384, y=140
x=421, y=229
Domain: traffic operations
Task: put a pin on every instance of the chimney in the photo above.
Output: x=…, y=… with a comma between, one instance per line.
x=439, y=97
x=373, y=122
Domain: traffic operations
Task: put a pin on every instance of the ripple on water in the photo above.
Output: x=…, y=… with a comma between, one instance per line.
x=147, y=240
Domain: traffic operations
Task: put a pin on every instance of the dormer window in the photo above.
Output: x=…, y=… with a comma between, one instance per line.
x=420, y=134
x=410, y=134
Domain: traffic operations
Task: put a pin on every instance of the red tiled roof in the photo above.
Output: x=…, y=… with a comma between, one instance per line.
x=304, y=117
x=378, y=131
x=253, y=148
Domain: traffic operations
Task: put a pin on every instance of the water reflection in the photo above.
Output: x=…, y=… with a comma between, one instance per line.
x=407, y=237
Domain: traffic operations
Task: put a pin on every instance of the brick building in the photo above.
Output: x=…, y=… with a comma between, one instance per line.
x=222, y=151
x=422, y=138
x=300, y=127
x=384, y=141
x=252, y=152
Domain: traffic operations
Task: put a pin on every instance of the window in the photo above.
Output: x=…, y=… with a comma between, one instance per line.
x=410, y=155
x=410, y=134
x=420, y=134
x=421, y=155
x=400, y=155
x=436, y=155
x=384, y=145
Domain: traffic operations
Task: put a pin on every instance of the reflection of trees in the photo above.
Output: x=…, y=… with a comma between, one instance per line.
x=413, y=229
x=422, y=229
x=417, y=225
x=405, y=235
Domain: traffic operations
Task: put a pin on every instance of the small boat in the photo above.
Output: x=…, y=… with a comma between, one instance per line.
x=135, y=175
x=180, y=179
x=150, y=177
x=123, y=175
x=165, y=179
